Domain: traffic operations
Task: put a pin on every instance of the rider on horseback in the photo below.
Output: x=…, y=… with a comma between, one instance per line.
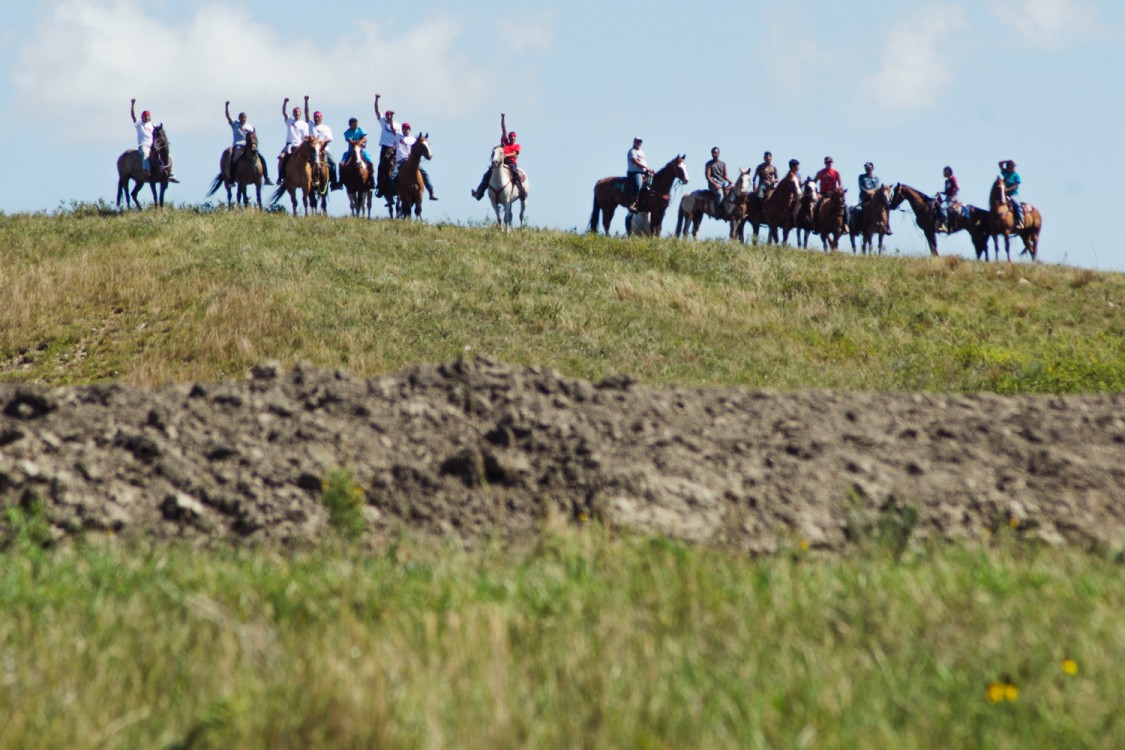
x=240, y=129
x=388, y=139
x=765, y=176
x=296, y=131
x=511, y=155
x=636, y=173
x=717, y=180
x=145, y=127
x=868, y=184
x=402, y=153
x=323, y=133
x=354, y=135
x=944, y=198
x=1012, y=189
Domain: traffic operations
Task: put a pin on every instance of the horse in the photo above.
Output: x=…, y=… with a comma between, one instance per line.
x=130, y=166
x=830, y=219
x=384, y=185
x=357, y=180
x=875, y=219
x=779, y=209
x=502, y=190
x=1002, y=221
x=805, y=220
x=320, y=184
x=699, y=202
x=299, y=174
x=609, y=193
x=410, y=185
x=923, y=207
x=248, y=172
x=752, y=214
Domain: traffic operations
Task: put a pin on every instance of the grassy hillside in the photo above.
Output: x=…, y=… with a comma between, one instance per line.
x=583, y=639
x=153, y=297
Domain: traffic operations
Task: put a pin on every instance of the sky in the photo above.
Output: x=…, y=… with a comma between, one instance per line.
x=911, y=87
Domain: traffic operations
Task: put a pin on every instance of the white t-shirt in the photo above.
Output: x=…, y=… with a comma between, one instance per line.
x=240, y=131
x=402, y=150
x=324, y=133
x=144, y=134
x=390, y=134
x=638, y=156
x=296, y=131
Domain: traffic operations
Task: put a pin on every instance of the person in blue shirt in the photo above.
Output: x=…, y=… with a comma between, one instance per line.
x=354, y=134
x=868, y=184
x=1012, y=188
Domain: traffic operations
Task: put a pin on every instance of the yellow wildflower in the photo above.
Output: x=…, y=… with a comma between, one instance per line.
x=582, y=517
x=804, y=545
x=995, y=692
x=1070, y=666
x=1011, y=693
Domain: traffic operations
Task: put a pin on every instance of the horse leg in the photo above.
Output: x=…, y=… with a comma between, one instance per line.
x=607, y=216
x=523, y=209
x=122, y=189
x=1008, y=247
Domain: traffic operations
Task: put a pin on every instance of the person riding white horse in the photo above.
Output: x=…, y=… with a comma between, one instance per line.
x=511, y=156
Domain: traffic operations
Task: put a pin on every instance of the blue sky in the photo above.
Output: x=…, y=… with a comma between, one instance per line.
x=909, y=86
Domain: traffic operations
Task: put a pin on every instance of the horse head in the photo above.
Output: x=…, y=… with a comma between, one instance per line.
x=497, y=156
x=422, y=146
x=742, y=185
x=252, y=142
x=996, y=197
x=681, y=168
x=896, y=196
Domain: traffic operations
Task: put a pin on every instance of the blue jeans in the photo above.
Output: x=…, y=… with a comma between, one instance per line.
x=1017, y=207
x=635, y=183
x=717, y=194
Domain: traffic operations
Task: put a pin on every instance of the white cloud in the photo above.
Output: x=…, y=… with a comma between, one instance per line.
x=915, y=67
x=90, y=57
x=531, y=32
x=789, y=52
x=1049, y=23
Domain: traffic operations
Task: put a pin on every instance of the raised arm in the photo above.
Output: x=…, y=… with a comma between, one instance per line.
x=306, y=108
x=378, y=114
x=503, y=129
x=230, y=121
x=133, y=109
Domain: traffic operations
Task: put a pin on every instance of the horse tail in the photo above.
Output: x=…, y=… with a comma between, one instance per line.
x=215, y=185
x=594, y=216
x=277, y=194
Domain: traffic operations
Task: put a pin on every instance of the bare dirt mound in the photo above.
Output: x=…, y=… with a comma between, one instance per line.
x=478, y=449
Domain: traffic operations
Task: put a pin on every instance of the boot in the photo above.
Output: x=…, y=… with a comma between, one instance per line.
x=432, y=196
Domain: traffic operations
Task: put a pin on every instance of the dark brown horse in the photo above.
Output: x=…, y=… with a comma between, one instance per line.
x=875, y=219
x=805, y=221
x=248, y=171
x=357, y=180
x=609, y=193
x=752, y=215
x=130, y=166
x=410, y=184
x=831, y=219
x=384, y=185
x=1002, y=221
x=299, y=174
x=923, y=207
x=780, y=209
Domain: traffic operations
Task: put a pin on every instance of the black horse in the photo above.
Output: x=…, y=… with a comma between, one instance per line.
x=130, y=166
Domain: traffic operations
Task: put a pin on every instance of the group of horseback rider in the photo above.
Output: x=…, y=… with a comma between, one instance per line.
x=826, y=182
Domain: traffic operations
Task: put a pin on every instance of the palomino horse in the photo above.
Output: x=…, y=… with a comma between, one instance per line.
x=831, y=219
x=874, y=220
x=502, y=191
x=299, y=175
x=1002, y=221
x=609, y=193
x=248, y=172
x=357, y=179
x=699, y=202
x=780, y=208
x=410, y=184
x=130, y=166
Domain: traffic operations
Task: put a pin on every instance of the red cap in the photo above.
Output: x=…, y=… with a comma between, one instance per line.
x=317, y=114
x=405, y=126
x=146, y=113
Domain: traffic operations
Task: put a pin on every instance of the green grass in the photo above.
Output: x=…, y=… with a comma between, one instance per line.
x=583, y=641
x=155, y=297
x=581, y=638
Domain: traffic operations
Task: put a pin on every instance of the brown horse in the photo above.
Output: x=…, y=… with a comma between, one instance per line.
x=130, y=166
x=320, y=184
x=923, y=207
x=831, y=219
x=805, y=221
x=874, y=220
x=1002, y=221
x=780, y=209
x=299, y=174
x=248, y=171
x=752, y=215
x=357, y=179
x=609, y=193
x=410, y=185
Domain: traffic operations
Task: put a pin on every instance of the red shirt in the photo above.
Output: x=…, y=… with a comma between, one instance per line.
x=951, y=188
x=511, y=150
x=829, y=180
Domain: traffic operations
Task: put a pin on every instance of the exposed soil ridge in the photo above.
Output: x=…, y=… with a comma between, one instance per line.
x=478, y=449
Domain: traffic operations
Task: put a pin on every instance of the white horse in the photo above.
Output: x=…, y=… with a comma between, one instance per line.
x=694, y=205
x=502, y=191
